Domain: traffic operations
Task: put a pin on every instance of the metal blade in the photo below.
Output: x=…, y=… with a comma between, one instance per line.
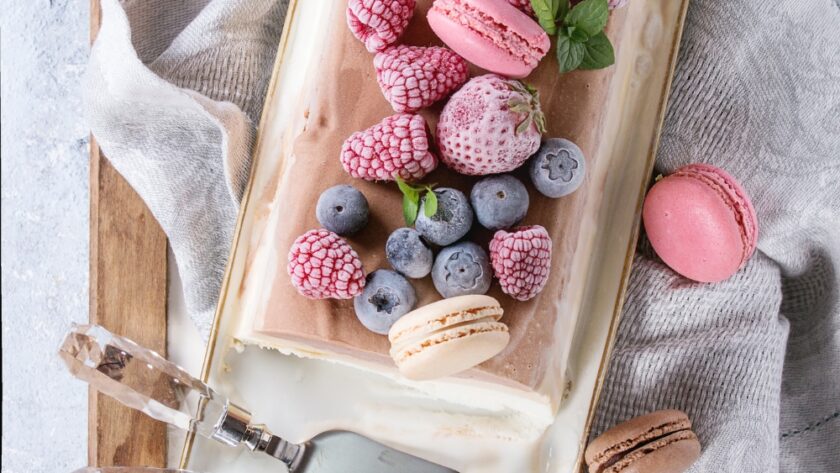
x=340, y=452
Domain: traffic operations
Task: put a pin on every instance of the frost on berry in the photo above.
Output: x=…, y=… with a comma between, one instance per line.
x=323, y=265
x=521, y=260
x=414, y=77
x=490, y=126
x=398, y=145
x=379, y=23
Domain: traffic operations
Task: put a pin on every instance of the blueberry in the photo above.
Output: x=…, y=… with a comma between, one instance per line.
x=387, y=297
x=408, y=253
x=499, y=201
x=558, y=168
x=462, y=269
x=342, y=209
x=453, y=218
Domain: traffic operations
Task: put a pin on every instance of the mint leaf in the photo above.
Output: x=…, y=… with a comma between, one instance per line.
x=562, y=9
x=546, y=11
x=405, y=187
x=569, y=52
x=411, y=200
x=589, y=16
x=598, y=52
x=430, y=204
x=577, y=34
x=411, y=205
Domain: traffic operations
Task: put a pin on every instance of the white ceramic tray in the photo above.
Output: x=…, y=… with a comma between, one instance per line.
x=299, y=398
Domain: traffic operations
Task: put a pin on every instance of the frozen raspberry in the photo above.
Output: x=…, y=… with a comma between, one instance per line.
x=323, y=265
x=524, y=5
x=398, y=145
x=414, y=77
x=521, y=260
x=490, y=126
x=379, y=23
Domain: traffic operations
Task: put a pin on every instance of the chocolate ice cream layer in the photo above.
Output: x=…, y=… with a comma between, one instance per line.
x=348, y=99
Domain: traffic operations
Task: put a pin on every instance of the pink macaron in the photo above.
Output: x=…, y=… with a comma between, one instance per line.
x=492, y=34
x=701, y=223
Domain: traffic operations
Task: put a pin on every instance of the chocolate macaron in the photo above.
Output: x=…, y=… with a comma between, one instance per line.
x=659, y=442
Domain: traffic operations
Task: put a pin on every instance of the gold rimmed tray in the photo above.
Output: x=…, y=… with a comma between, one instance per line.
x=634, y=110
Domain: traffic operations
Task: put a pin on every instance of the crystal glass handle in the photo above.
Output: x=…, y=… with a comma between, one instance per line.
x=142, y=379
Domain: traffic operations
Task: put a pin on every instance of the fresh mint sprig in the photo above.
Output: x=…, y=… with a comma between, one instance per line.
x=589, y=16
x=546, y=11
x=581, y=42
x=599, y=51
x=411, y=200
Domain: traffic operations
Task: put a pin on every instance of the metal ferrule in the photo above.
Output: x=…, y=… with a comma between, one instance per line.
x=234, y=428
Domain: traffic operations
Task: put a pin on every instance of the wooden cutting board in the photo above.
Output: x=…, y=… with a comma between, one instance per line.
x=128, y=297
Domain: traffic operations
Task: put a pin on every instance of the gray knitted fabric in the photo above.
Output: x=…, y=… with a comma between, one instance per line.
x=166, y=89
x=754, y=360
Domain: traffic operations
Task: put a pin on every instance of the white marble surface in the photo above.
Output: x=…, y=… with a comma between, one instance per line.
x=43, y=52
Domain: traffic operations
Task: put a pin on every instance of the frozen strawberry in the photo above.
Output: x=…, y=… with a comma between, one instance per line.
x=521, y=260
x=379, y=23
x=398, y=145
x=323, y=265
x=414, y=77
x=491, y=125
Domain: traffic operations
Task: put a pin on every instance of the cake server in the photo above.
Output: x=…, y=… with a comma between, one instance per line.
x=143, y=380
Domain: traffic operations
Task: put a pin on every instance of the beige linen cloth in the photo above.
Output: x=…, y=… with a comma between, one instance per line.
x=175, y=87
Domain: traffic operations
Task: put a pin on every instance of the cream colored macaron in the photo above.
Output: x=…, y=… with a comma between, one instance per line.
x=448, y=336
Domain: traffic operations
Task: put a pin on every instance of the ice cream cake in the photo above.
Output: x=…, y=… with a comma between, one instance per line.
x=529, y=375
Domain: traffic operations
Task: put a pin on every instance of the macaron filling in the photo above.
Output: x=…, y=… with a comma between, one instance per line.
x=466, y=328
x=447, y=321
x=622, y=460
x=735, y=199
x=529, y=50
x=631, y=449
